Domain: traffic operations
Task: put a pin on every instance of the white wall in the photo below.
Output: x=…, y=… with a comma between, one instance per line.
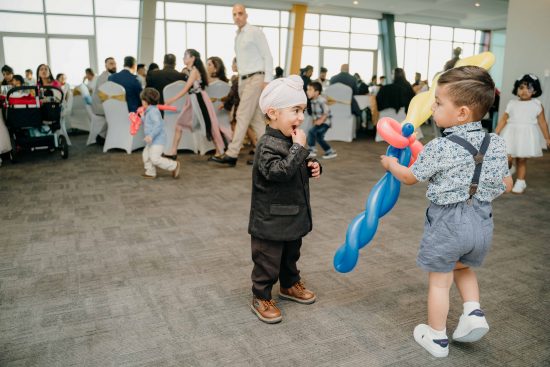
x=527, y=44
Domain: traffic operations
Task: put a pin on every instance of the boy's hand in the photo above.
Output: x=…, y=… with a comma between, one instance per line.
x=314, y=168
x=299, y=136
x=386, y=161
x=148, y=139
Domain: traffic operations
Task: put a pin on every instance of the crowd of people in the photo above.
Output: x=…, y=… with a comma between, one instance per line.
x=270, y=108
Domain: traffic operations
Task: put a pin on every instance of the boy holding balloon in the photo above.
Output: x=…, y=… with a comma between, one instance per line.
x=466, y=170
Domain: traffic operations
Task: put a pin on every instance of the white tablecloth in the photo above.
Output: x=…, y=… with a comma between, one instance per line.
x=363, y=101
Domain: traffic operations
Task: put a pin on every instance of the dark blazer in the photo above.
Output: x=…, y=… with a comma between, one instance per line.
x=131, y=85
x=280, y=209
x=159, y=79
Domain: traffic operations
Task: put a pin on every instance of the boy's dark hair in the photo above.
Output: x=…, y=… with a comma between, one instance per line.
x=7, y=69
x=141, y=66
x=316, y=86
x=530, y=80
x=470, y=86
x=59, y=76
x=150, y=95
x=129, y=61
x=323, y=69
x=28, y=71
x=19, y=78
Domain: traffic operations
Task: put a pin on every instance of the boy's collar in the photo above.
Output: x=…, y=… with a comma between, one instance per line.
x=470, y=126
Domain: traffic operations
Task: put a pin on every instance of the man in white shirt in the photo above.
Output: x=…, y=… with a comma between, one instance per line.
x=255, y=65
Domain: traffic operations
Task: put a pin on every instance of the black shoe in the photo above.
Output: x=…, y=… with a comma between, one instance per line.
x=100, y=140
x=250, y=162
x=225, y=159
x=172, y=157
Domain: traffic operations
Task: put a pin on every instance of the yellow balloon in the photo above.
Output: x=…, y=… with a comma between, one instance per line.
x=484, y=60
x=420, y=108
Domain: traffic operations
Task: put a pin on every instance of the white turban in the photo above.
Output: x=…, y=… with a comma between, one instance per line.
x=283, y=93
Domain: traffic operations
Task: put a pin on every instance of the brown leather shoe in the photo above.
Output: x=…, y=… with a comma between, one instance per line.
x=297, y=293
x=266, y=310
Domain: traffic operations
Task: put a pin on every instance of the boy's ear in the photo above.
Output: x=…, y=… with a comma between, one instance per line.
x=464, y=113
x=272, y=113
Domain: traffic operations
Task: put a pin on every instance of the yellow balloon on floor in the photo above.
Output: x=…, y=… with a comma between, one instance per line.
x=420, y=108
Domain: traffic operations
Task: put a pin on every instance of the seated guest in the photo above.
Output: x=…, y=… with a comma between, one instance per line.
x=110, y=69
x=323, y=77
x=362, y=88
x=159, y=79
x=382, y=81
x=29, y=80
x=90, y=80
x=66, y=88
x=45, y=77
x=7, y=75
x=279, y=72
x=141, y=74
x=215, y=70
x=127, y=78
x=396, y=95
x=152, y=67
x=18, y=81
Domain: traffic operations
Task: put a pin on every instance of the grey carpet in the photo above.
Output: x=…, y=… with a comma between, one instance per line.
x=99, y=267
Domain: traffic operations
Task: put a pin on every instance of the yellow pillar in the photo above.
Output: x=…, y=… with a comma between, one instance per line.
x=298, y=14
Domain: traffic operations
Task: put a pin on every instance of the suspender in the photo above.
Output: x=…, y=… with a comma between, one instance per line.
x=477, y=155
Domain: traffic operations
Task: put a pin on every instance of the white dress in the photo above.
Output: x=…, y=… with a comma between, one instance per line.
x=522, y=133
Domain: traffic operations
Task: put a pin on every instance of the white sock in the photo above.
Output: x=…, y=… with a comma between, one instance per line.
x=470, y=306
x=437, y=334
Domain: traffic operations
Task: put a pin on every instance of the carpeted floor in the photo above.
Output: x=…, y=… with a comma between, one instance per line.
x=99, y=267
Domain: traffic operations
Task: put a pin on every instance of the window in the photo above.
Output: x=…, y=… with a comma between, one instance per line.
x=337, y=40
x=83, y=7
x=116, y=37
x=210, y=30
x=28, y=57
x=425, y=49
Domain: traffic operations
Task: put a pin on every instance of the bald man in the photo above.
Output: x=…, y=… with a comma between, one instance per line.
x=255, y=66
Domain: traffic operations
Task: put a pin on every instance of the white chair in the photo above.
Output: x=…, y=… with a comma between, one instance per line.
x=343, y=123
x=5, y=141
x=97, y=123
x=400, y=116
x=195, y=141
x=118, y=121
x=216, y=91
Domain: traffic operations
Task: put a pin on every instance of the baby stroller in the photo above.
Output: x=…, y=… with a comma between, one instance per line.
x=33, y=119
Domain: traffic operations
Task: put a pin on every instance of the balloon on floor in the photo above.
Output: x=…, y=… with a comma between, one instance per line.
x=405, y=147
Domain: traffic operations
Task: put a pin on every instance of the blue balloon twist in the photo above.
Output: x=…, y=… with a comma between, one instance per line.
x=382, y=199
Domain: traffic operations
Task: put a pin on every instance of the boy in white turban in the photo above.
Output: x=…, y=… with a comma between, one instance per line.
x=280, y=213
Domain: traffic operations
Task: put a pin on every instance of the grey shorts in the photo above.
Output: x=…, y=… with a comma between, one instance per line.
x=455, y=232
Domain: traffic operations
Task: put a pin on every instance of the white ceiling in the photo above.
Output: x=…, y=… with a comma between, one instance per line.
x=491, y=14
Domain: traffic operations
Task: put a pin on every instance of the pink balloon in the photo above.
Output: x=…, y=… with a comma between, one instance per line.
x=416, y=148
x=390, y=131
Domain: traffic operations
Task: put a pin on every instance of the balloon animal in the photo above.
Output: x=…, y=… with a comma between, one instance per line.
x=405, y=147
x=135, y=117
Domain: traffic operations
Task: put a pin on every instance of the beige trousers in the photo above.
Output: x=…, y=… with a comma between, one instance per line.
x=248, y=113
x=152, y=158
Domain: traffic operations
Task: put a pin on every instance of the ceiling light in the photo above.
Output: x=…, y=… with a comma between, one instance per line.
x=477, y=5
x=355, y=2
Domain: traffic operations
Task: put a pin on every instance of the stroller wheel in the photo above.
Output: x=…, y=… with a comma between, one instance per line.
x=64, y=147
x=13, y=152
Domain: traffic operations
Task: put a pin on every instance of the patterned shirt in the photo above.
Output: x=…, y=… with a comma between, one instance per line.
x=449, y=168
x=319, y=107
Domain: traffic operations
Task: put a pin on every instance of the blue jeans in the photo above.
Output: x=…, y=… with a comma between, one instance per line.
x=317, y=134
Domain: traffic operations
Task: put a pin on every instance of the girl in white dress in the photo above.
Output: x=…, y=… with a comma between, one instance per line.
x=519, y=127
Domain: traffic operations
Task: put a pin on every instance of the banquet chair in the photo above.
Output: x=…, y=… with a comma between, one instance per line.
x=343, y=123
x=118, y=121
